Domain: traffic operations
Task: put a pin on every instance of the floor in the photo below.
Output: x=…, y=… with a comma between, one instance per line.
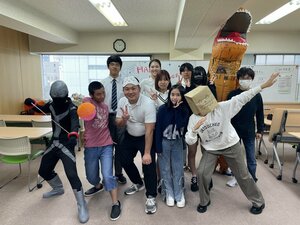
x=228, y=205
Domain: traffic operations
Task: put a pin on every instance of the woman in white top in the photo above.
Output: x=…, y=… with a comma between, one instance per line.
x=162, y=86
x=147, y=85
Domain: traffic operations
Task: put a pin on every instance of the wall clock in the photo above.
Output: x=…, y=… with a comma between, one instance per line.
x=119, y=45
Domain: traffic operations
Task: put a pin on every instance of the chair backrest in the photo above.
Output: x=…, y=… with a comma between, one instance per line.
x=41, y=123
x=15, y=146
x=293, y=120
x=278, y=123
x=284, y=120
x=2, y=123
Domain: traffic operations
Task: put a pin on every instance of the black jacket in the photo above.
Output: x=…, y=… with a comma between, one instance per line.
x=244, y=122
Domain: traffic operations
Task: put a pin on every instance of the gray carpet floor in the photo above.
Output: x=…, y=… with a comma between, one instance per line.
x=228, y=205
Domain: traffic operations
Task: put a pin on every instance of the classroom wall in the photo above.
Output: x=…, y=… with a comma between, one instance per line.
x=163, y=43
x=20, y=71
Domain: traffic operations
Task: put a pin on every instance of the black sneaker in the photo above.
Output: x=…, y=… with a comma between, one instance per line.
x=201, y=208
x=94, y=190
x=115, y=211
x=257, y=210
x=121, y=179
x=194, y=184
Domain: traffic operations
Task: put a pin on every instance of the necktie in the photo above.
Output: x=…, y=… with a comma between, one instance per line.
x=114, y=103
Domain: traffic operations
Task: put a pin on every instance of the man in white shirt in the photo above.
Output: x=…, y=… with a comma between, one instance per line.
x=138, y=113
x=114, y=92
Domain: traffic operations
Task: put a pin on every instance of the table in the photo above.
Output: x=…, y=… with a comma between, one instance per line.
x=296, y=134
x=31, y=132
x=24, y=118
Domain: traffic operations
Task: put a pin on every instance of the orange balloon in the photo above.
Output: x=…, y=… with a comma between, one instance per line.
x=86, y=111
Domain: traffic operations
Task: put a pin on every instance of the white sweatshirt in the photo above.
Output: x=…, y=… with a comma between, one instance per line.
x=217, y=133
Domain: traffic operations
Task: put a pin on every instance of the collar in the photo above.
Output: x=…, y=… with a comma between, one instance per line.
x=136, y=104
x=118, y=79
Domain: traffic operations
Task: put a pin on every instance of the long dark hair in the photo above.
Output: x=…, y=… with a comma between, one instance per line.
x=155, y=60
x=199, y=76
x=181, y=91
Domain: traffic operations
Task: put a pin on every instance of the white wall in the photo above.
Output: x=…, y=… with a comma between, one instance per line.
x=163, y=43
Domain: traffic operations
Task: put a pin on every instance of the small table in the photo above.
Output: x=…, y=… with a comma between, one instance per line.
x=296, y=134
x=30, y=132
x=23, y=120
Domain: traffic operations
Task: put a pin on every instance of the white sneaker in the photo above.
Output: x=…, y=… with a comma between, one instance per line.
x=181, y=203
x=150, y=206
x=170, y=200
x=232, y=182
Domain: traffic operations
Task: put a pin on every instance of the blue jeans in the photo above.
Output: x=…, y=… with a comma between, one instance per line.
x=171, y=167
x=92, y=156
x=249, y=143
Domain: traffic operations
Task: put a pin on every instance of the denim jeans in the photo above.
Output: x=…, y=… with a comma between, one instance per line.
x=171, y=167
x=249, y=143
x=92, y=155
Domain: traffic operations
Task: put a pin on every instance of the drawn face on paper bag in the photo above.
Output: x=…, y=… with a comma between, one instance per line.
x=206, y=105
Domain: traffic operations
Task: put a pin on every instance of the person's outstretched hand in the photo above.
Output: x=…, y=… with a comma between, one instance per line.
x=270, y=81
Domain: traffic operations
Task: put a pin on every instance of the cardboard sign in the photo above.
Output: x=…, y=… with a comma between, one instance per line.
x=201, y=100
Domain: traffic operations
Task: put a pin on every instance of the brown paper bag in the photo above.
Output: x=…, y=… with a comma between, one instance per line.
x=201, y=100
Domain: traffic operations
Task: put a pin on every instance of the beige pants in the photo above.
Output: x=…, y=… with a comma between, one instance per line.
x=235, y=159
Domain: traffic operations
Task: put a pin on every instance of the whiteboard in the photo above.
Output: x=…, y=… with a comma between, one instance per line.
x=286, y=89
x=140, y=69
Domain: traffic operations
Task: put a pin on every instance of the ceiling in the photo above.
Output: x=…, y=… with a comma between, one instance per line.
x=192, y=21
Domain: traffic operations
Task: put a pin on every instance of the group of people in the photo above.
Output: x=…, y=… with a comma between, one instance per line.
x=152, y=117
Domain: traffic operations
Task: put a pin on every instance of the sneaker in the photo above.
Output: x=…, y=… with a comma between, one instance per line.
x=201, y=208
x=115, y=211
x=150, y=206
x=94, y=190
x=194, y=184
x=121, y=179
x=134, y=188
x=228, y=172
x=181, y=203
x=257, y=210
x=232, y=182
x=170, y=200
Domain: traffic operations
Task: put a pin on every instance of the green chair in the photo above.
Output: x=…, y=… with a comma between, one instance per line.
x=18, y=151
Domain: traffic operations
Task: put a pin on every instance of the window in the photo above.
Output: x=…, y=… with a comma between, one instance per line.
x=77, y=70
x=277, y=59
x=260, y=59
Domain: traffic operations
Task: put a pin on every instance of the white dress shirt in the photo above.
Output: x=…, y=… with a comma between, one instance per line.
x=107, y=83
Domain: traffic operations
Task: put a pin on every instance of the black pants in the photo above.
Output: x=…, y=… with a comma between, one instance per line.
x=117, y=135
x=49, y=162
x=128, y=149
